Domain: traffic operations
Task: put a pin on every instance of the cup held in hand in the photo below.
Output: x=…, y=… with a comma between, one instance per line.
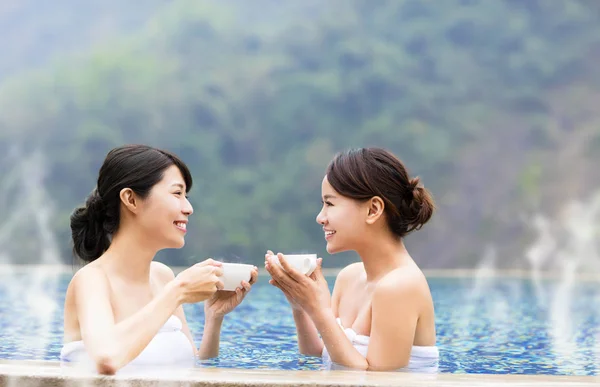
x=304, y=263
x=234, y=274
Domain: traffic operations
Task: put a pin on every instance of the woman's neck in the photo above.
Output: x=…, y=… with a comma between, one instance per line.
x=129, y=257
x=382, y=255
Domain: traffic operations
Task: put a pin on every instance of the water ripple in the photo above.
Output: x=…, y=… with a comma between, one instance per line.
x=500, y=328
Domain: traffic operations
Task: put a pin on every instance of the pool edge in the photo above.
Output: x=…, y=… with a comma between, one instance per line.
x=15, y=373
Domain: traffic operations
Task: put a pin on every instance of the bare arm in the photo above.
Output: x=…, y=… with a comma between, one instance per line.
x=112, y=345
x=309, y=342
x=393, y=327
x=394, y=322
x=215, y=309
x=209, y=346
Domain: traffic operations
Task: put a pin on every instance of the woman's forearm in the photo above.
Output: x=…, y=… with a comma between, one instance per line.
x=309, y=342
x=209, y=346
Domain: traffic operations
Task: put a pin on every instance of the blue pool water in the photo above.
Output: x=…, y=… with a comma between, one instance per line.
x=501, y=326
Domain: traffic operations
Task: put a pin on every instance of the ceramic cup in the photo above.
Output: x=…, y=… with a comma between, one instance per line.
x=304, y=263
x=234, y=274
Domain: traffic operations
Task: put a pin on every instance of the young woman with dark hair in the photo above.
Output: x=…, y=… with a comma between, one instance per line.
x=380, y=315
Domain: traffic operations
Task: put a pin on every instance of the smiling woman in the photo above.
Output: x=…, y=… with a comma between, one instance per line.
x=123, y=309
x=380, y=315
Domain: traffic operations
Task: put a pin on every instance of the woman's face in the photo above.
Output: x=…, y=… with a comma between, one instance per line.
x=165, y=211
x=342, y=218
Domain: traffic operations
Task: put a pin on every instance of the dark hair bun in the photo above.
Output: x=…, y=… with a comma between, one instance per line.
x=421, y=207
x=87, y=228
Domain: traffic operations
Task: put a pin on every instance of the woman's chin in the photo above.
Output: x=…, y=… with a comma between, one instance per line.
x=333, y=249
x=177, y=243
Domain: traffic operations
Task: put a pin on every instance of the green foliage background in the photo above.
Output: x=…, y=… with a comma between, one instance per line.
x=492, y=103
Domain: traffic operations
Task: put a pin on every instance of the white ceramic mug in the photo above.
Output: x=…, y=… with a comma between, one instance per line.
x=304, y=263
x=234, y=274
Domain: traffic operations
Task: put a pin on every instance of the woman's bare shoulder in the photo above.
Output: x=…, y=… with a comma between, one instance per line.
x=88, y=275
x=161, y=272
x=351, y=271
x=403, y=281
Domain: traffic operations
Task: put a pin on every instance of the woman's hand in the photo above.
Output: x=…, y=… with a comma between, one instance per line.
x=200, y=281
x=295, y=306
x=309, y=293
x=223, y=302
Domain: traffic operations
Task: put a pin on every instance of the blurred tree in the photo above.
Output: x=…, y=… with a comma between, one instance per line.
x=491, y=103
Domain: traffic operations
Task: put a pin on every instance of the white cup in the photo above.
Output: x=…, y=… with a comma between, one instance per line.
x=234, y=274
x=304, y=263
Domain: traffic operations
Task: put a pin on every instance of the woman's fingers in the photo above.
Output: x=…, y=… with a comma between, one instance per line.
x=246, y=286
x=254, y=276
x=291, y=271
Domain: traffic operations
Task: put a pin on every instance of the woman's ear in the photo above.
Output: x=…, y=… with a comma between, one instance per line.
x=375, y=209
x=129, y=199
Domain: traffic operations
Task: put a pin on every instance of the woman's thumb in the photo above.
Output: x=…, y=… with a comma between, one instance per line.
x=318, y=270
